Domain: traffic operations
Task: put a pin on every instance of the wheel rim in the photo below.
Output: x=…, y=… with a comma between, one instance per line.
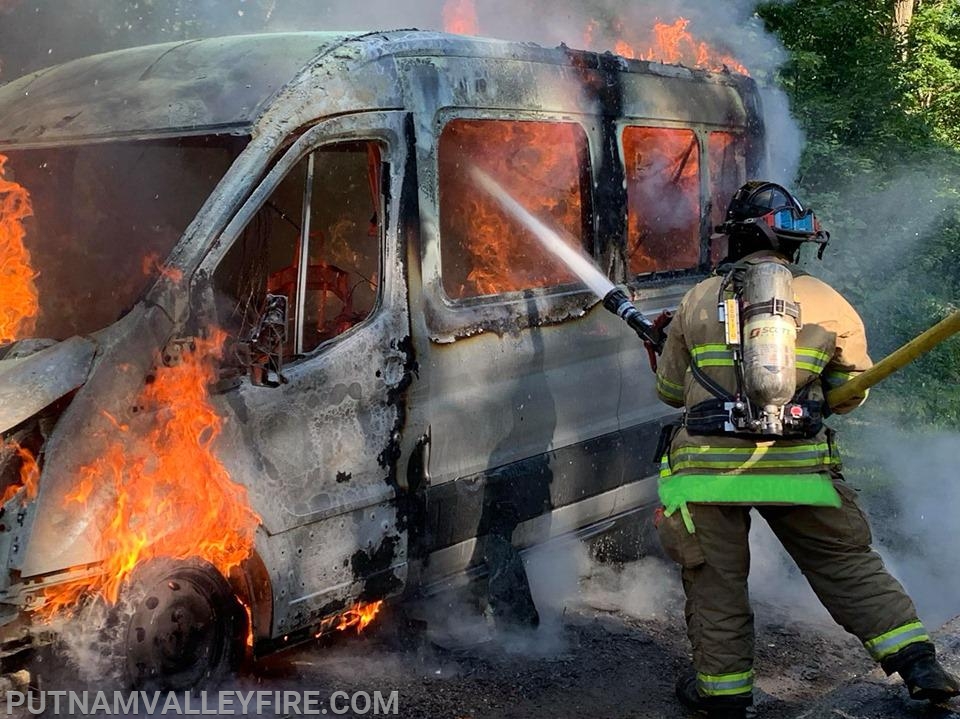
x=179, y=632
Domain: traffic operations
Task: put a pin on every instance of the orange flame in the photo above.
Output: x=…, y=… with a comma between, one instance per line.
x=19, y=303
x=29, y=475
x=460, y=17
x=249, y=613
x=173, y=497
x=537, y=164
x=672, y=44
x=152, y=266
x=359, y=616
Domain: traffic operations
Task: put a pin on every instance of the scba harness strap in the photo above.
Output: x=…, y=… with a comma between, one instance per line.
x=732, y=413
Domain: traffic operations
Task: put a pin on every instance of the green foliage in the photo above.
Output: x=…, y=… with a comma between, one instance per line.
x=882, y=168
x=933, y=68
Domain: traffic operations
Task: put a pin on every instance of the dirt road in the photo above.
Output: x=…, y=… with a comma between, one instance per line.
x=597, y=658
x=610, y=645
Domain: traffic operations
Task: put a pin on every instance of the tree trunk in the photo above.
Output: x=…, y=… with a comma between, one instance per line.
x=902, y=15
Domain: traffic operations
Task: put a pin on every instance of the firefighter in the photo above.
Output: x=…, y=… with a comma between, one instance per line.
x=741, y=445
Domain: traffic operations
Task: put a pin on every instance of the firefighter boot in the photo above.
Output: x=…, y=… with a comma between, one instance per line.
x=924, y=676
x=725, y=707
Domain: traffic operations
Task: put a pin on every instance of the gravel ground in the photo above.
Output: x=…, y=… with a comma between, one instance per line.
x=595, y=662
x=610, y=645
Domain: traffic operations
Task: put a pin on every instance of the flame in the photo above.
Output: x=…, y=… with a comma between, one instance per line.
x=152, y=266
x=249, y=612
x=671, y=44
x=172, y=496
x=460, y=17
x=19, y=303
x=663, y=198
x=28, y=477
x=359, y=616
x=538, y=165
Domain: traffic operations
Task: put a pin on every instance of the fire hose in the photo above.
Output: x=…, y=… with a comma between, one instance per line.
x=652, y=332
x=897, y=359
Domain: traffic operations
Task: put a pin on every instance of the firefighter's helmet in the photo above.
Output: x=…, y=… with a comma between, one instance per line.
x=769, y=211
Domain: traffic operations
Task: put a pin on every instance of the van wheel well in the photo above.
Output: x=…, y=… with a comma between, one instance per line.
x=185, y=629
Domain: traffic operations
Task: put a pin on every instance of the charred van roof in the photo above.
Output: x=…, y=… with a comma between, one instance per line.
x=225, y=84
x=220, y=84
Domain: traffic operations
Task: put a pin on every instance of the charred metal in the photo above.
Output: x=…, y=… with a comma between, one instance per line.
x=393, y=391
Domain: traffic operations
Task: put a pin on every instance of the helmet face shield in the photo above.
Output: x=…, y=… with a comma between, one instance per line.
x=790, y=220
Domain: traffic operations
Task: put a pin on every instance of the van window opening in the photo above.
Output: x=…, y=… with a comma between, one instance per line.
x=105, y=219
x=543, y=165
x=663, y=199
x=727, y=156
x=327, y=206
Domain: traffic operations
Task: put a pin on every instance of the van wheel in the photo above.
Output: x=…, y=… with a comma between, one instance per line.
x=185, y=629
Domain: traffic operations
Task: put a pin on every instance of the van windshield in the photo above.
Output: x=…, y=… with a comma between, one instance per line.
x=85, y=230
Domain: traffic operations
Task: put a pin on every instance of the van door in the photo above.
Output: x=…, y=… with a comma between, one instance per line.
x=309, y=281
x=522, y=361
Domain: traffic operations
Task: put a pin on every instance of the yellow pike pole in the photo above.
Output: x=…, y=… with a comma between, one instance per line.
x=895, y=360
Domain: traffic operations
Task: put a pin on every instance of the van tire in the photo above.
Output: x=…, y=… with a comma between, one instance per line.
x=185, y=628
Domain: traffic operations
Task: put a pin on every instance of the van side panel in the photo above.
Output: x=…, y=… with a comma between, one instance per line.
x=522, y=407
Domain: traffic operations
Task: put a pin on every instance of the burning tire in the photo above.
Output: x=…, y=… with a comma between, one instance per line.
x=185, y=628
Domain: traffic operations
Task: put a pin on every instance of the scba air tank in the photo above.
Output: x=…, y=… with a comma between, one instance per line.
x=770, y=318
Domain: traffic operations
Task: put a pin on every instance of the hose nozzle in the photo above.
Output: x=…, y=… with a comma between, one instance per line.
x=617, y=302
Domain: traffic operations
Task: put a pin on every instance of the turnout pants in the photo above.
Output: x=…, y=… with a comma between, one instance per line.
x=832, y=548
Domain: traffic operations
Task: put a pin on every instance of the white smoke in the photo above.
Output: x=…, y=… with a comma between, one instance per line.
x=921, y=503
x=564, y=578
x=777, y=588
x=731, y=28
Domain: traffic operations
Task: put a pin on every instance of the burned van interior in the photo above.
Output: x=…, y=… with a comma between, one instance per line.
x=546, y=167
x=663, y=174
x=663, y=199
x=105, y=217
x=325, y=211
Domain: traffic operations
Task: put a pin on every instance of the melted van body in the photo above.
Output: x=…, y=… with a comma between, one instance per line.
x=435, y=378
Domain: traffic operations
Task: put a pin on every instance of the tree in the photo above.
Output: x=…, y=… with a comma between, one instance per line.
x=881, y=167
x=902, y=15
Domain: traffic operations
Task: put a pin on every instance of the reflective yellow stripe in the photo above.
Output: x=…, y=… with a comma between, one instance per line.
x=810, y=359
x=715, y=362
x=664, y=466
x=668, y=389
x=814, y=354
x=896, y=639
x=712, y=355
x=714, y=347
x=810, y=362
x=718, y=685
x=756, y=457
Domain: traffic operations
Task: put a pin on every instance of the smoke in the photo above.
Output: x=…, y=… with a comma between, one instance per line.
x=565, y=578
x=919, y=503
x=777, y=588
x=913, y=512
x=648, y=588
x=38, y=33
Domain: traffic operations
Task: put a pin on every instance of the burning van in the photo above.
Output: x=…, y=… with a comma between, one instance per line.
x=269, y=356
